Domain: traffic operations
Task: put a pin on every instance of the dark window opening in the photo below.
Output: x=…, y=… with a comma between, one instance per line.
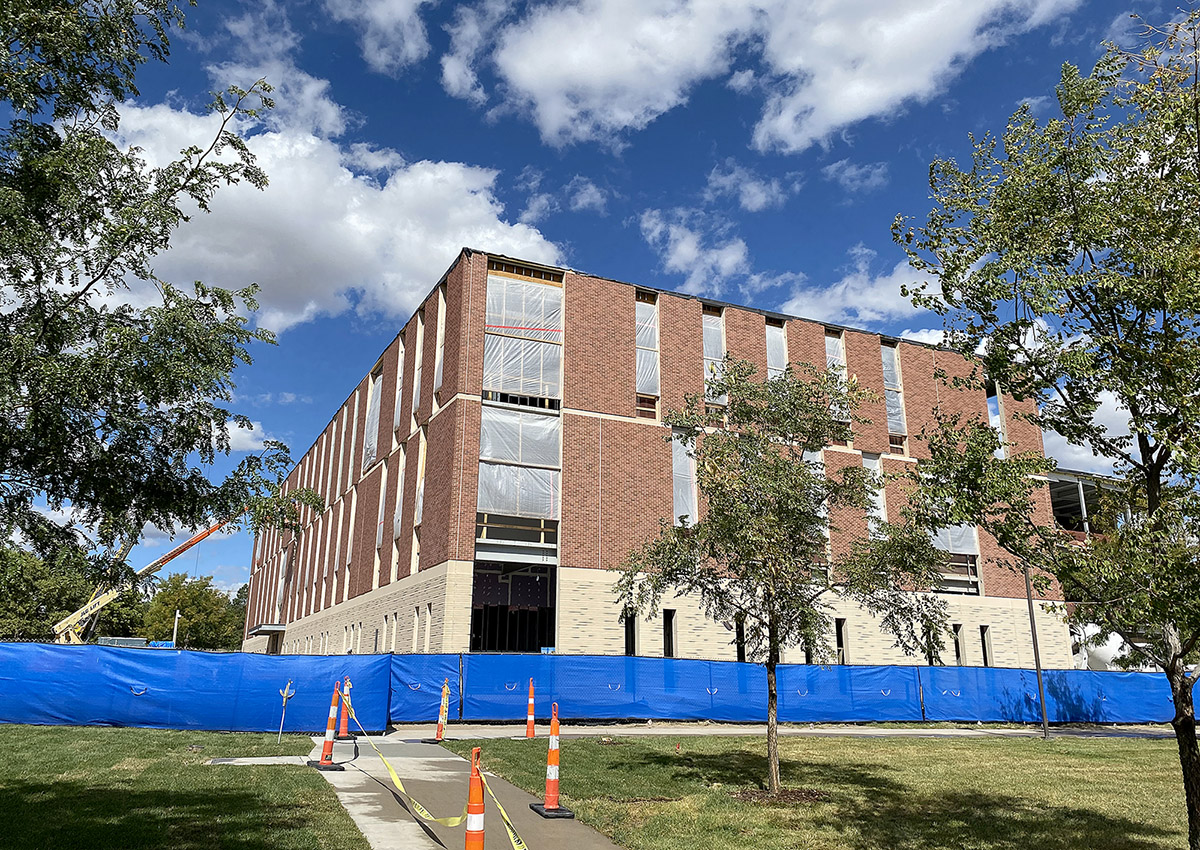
x=668, y=633
x=647, y=406
x=630, y=632
x=522, y=400
x=839, y=628
x=740, y=639
x=898, y=444
x=958, y=647
x=512, y=607
x=524, y=271
x=960, y=575
x=985, y=638
x=515, y=529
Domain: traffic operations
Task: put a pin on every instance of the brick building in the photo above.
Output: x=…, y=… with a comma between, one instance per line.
x=507, y=448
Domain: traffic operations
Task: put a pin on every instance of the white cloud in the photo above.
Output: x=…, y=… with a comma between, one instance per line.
x=823, y=65
x=754, y=193
x=857, y=178
x=586, y=195
x=246, y=439
x=697, y=247
x=468, y=37
x=1113, y=417
x=539, y=206
x=932, y=336
x=393, y=34
x=861, y=297
x=340, y=225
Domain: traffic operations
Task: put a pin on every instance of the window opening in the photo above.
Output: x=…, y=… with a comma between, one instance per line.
x=839, y=630
x=647, y=378
x=630, y=621
x=683, y=482
x=961, y=572
x=714, y=350
x=440, y=349
x=417, y=364
x=519, y=463
x=995, y=405
x=399, y=396
x=873, y=464
x=668, y=633
x=522, y=345
x=776, y=348
x=419, y=505
x=894, y=400
x=512, y=608
x=985, y=638
x=739, y=638
x=956, y=629
x=371, y=435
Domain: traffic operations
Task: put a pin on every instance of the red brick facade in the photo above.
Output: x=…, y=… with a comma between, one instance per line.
x=615, y=467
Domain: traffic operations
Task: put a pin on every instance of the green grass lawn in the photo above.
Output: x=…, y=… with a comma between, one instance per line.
x=128, y=789
x=883, y=794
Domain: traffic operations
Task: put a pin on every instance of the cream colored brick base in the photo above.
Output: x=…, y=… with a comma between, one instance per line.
x=256, y=644
x=426, y=612
x=588, y=623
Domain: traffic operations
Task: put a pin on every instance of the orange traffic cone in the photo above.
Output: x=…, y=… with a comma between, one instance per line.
x=551, y=808
x=529, y=717
x=475, y=805
x=443, y=711
x=326, y=762
x=344, y=733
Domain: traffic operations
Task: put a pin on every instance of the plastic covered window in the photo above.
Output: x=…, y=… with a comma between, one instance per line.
x=873, y=464
x=957, y=540
x=440, y=352
x=714, y=352
x=371, y=437
x=396, y=525
x=524, y=308
x=683, y=482
x=892, y=393
x=514, y=436
x=776, y=351
x=647, y=348
x=835, y=350
x=399, y=388
x=522, y=347
x=522, y=366
x=518, y=490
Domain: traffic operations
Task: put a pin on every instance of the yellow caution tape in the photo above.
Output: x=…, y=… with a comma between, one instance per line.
x=517, y=842
x=420, y=810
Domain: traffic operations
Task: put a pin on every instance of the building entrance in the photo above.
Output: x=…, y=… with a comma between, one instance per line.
x=512, y=607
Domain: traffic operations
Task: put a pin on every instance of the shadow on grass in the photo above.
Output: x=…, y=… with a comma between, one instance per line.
x=74, y=814
x=872, y=810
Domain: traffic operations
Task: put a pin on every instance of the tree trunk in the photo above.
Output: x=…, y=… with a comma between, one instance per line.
x=773, y=781
x=1184, y=724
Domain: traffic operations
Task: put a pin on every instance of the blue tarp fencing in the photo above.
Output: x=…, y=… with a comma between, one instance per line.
x=172, y=689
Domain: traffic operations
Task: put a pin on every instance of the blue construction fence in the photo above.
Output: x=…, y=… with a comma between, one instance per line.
x=176, y=689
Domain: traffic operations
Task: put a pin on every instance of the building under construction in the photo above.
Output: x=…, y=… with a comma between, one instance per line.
x=507, y=449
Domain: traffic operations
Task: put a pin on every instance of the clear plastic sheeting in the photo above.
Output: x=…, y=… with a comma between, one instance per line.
x=399, y=389
x=835, y=351
x=958, y=540
x=776, y=351
x=522, y=308
x=714, y=353
x=517, y=436
x=646, y=332
x=891, y=367
x=371, y=437
x=522, y=366
x=683, y=482
x=518, y=490
x=895, y=412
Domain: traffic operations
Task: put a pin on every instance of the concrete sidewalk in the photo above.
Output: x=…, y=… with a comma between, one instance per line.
x=437, y=779
x=465, y=731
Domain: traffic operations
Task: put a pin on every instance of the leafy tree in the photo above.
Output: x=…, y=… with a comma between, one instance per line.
x=1068, y=256
x=37, y=594
x=208, y=618
x=759, y=555
x=114, y=384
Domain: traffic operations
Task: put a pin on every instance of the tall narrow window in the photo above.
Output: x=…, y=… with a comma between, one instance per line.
x=985, y=640
x=739, y=638
x=835, y=360
x=714, y=350
x=440, y=355
x=995, y=404
x=417, y=362
x=419, y=504
x=371, y=434
x=956, y=630
x=399, y=396
x=630, y=620
x=873, y=464
x=380, y=517
x=668, y=633
x=646, y=339
x=894, y=400
x=777, y=357
x=397, y=527
x=683, y=481
x=839, y=633
x=961, y=545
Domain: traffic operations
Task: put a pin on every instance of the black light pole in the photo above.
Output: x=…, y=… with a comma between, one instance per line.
x=1037, y=657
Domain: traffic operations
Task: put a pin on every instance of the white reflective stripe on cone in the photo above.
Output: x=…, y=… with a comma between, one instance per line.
x=552, y=771
x=474, y=823
x=554, y=742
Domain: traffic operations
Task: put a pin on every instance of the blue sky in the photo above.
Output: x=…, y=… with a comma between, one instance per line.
x=755, y=152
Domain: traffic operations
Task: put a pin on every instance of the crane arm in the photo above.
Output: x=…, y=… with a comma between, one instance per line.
x=66, y=630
